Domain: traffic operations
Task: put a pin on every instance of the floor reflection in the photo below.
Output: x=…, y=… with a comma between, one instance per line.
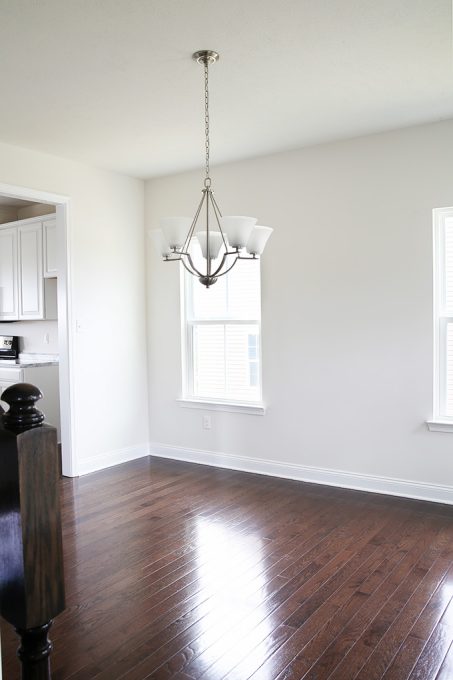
x=234, y=588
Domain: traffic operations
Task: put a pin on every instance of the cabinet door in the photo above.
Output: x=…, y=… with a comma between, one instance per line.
x=31, y=281
x=9, y=299
x=50, y=248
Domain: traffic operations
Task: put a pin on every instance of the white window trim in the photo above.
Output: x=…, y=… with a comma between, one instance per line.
x=251, y=408
x=189, y=401
x=439, y=422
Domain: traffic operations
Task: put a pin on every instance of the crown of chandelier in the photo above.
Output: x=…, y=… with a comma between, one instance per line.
x=224, y=239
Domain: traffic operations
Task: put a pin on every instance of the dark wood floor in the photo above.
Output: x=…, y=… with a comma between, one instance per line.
x=183, y=571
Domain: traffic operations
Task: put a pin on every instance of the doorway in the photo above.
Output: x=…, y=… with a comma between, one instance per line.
x=60, y=205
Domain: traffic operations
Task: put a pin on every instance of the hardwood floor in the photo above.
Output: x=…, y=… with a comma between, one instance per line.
x=182, y=571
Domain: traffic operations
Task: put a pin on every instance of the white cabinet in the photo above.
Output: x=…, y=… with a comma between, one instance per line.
x=24, y=292
x=4, y=384
x=49, y=233
x=9, y=297
x=31, y=283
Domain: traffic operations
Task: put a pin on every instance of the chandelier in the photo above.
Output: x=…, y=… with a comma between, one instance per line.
x=223, y=239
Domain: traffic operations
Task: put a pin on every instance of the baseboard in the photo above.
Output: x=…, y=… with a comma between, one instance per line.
x=111, y=458
x=348, y=480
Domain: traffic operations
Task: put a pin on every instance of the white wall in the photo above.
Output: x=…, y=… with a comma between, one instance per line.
x=347, y=307
x=32, y=334
x=107, y=263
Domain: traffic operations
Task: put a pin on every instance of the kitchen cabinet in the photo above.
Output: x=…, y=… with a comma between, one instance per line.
x=49, y=232
x=31, y=284
x=24, y=292
x=9, y=283
x=46, y=378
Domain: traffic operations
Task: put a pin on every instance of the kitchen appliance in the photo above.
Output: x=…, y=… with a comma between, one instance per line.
x=9, y=347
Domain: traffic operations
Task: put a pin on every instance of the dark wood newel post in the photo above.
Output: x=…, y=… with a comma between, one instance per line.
x=31, y=554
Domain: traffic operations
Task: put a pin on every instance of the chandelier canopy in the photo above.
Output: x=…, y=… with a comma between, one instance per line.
x=223, y=239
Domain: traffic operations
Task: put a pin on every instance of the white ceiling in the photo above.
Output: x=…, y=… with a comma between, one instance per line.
x=111, y=82
x=6, y=202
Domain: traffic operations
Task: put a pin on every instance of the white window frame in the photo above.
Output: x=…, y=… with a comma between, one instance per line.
x=440, y=421
x=188, y=399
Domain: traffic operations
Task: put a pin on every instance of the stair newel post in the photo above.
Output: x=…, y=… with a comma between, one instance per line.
x=31, y=553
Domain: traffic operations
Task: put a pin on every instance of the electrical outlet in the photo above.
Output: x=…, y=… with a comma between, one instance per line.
x=206, y=422
x=46, y=338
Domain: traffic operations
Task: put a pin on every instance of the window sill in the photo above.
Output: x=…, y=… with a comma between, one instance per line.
x=440, y=425
x=255, y=409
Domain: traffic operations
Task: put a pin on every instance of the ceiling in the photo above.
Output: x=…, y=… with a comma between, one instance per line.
x=112, y=83
x=6, y=202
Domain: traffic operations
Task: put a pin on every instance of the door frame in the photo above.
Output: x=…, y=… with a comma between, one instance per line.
x=65, y=326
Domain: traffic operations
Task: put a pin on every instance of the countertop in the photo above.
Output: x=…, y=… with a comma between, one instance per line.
x=30, y=361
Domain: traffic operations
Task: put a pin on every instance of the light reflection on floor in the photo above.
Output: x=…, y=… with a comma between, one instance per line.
x=447, y=595
x=231, y=573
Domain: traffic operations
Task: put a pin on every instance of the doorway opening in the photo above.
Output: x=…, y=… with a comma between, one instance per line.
x=36, y=305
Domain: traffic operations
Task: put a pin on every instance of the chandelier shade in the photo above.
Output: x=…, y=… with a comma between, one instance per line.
x=237, y=229
x=258, y=239
x=158, y=240
x=215, y=243
x=175, y=230
x=224, y=240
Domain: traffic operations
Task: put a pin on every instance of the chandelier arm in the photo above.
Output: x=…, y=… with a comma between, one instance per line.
x=193, y=266
x=220, y=265
x=218, y=214
x=216, y=205
x=192, y=271
x=208, y=240
x=194, y=222
x=229, y=268
x=251, y=257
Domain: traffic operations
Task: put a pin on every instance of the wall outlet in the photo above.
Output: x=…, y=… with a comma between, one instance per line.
x=206, y=422
x=46, y=338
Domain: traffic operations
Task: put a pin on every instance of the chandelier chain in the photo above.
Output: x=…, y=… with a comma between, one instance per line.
x=206, y=115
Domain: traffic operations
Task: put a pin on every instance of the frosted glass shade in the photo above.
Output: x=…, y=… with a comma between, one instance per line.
x=175, y=230
x=258, y=239
x=159, y=242
x=215, y=243
x=237, y=229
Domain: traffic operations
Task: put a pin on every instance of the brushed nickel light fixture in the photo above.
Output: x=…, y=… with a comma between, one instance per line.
x=224, y=239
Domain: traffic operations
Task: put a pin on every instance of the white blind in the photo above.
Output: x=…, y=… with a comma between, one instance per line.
x=449, y=369
x=448, y=263
x=443, y=305
x=222, y=334
x=222, y=368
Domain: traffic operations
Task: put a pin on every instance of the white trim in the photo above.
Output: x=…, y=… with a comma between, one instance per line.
x=111, y=458
x=65, y=322
x=440, y=425
x=12, y=191
x=348, y=480
x=27, y=220
x=230, y=406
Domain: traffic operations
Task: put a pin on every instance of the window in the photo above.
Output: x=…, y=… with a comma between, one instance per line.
x=221, y=336
x=443, y=314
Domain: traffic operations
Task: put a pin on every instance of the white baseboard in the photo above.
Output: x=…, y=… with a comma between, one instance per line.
x=304, y=473
x=110, y=458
